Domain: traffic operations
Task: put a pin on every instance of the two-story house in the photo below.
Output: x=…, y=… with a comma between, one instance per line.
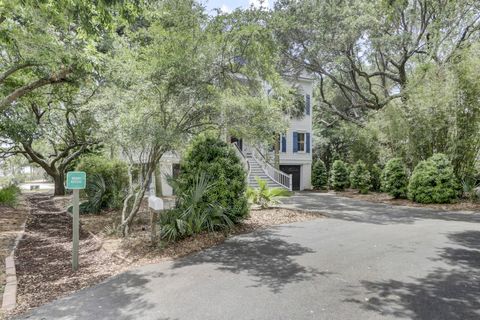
x=295, y=157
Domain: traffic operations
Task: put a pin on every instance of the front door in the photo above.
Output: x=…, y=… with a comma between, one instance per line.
x=294, y=170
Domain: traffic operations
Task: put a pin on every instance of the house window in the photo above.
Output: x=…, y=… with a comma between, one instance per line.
x=301, y=142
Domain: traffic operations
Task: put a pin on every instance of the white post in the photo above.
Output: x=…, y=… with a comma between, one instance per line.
x=76, y=228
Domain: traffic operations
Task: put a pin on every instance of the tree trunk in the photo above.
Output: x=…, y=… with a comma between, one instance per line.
x=59, y=180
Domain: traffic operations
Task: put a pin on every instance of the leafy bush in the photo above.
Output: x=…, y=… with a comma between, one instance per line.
x=95, y=191
x=360, y=177
x=395, y=178
x=470, y=189
x=264, y=196
x=339, y=176
x=107, y=181
x=191, y=215
x=9, y=195
x=319, y=175
x=218, y=161
x=433, y=181
x=375, y=177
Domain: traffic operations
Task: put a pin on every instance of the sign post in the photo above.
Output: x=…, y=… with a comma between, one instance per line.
x=76, y=181
x=156, y=205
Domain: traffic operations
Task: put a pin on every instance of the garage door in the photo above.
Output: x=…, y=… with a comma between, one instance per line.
x=295, y=172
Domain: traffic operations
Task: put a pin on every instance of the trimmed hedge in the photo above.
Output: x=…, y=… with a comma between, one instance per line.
x=395, y=178
x=360, y=177
x=433, y=181
x=219, y=162
x=339, y=176
x=319, y=175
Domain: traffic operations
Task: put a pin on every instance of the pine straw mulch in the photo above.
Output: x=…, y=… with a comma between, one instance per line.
x=43, y=258
x=11, y=222
x=460, y=205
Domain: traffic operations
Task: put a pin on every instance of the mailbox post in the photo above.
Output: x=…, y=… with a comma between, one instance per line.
x=156, y=205
x=76, y=181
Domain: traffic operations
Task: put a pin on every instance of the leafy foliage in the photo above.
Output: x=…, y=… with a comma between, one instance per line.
x=433, y=181
x=395, y=178
x=376, y=177
x=218, y=161
x=339, y=176
x=107, y=181
x=192, y=215
x=365, y=51
x=264, y=196
x=9, y=195
x=344, y=141
x=51, y=130
x=52, y=44
x=360, y=177
x=319, y=175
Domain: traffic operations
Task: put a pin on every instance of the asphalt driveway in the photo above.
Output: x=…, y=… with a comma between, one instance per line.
x=367, y=261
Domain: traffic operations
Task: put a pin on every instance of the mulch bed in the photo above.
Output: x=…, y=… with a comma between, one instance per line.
x=11, y=221
x=43, y=258
x=460, y=205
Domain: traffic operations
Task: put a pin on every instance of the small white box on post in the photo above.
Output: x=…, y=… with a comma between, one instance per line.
x=156, y=205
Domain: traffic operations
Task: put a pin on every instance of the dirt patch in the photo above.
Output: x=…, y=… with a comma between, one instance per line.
x=11, y=222
x=43, y=258
x=460, y=205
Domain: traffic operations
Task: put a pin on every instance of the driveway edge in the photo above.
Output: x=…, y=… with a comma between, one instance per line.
x=9, y=301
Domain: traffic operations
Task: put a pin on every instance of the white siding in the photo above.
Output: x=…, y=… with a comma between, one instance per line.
x=301, y=125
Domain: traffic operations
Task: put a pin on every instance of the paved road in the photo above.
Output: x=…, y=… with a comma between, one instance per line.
x=367, y=261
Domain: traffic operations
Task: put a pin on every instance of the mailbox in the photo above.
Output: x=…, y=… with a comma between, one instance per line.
x=155, y=203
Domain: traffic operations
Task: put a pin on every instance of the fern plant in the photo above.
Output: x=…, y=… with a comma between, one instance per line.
x=265, y=196
x=191, y=216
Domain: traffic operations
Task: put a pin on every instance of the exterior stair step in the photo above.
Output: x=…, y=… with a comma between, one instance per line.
x=256, y=170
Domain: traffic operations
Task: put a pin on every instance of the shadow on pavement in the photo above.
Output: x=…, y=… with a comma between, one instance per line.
x=444, y=294
x=118, y=299
x=264, y=256
x=368, y=212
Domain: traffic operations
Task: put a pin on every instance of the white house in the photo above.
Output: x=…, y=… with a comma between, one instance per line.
x=295, y=153
x=296, y=144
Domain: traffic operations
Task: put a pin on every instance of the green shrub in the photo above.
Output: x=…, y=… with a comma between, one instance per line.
x=111, y=174
x=264, y=196
x=319, y=175
x=470, y=189
x=191, y=215
x=9, y=195
x=395, y=178
x=375, y=178
x=433, y=181
x=219, y=162
x=339, y=176
x=360, y=177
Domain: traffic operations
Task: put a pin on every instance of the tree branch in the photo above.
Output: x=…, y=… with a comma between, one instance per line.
x=18, y=93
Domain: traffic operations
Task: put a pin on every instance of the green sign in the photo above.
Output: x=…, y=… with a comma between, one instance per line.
x=76, y=180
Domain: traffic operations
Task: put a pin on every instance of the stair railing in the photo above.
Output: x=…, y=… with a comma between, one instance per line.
x=242, y=157
x=276, y=175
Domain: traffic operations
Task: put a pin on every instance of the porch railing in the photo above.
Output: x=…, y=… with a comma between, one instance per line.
x=276, y=175
x=244, y=160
